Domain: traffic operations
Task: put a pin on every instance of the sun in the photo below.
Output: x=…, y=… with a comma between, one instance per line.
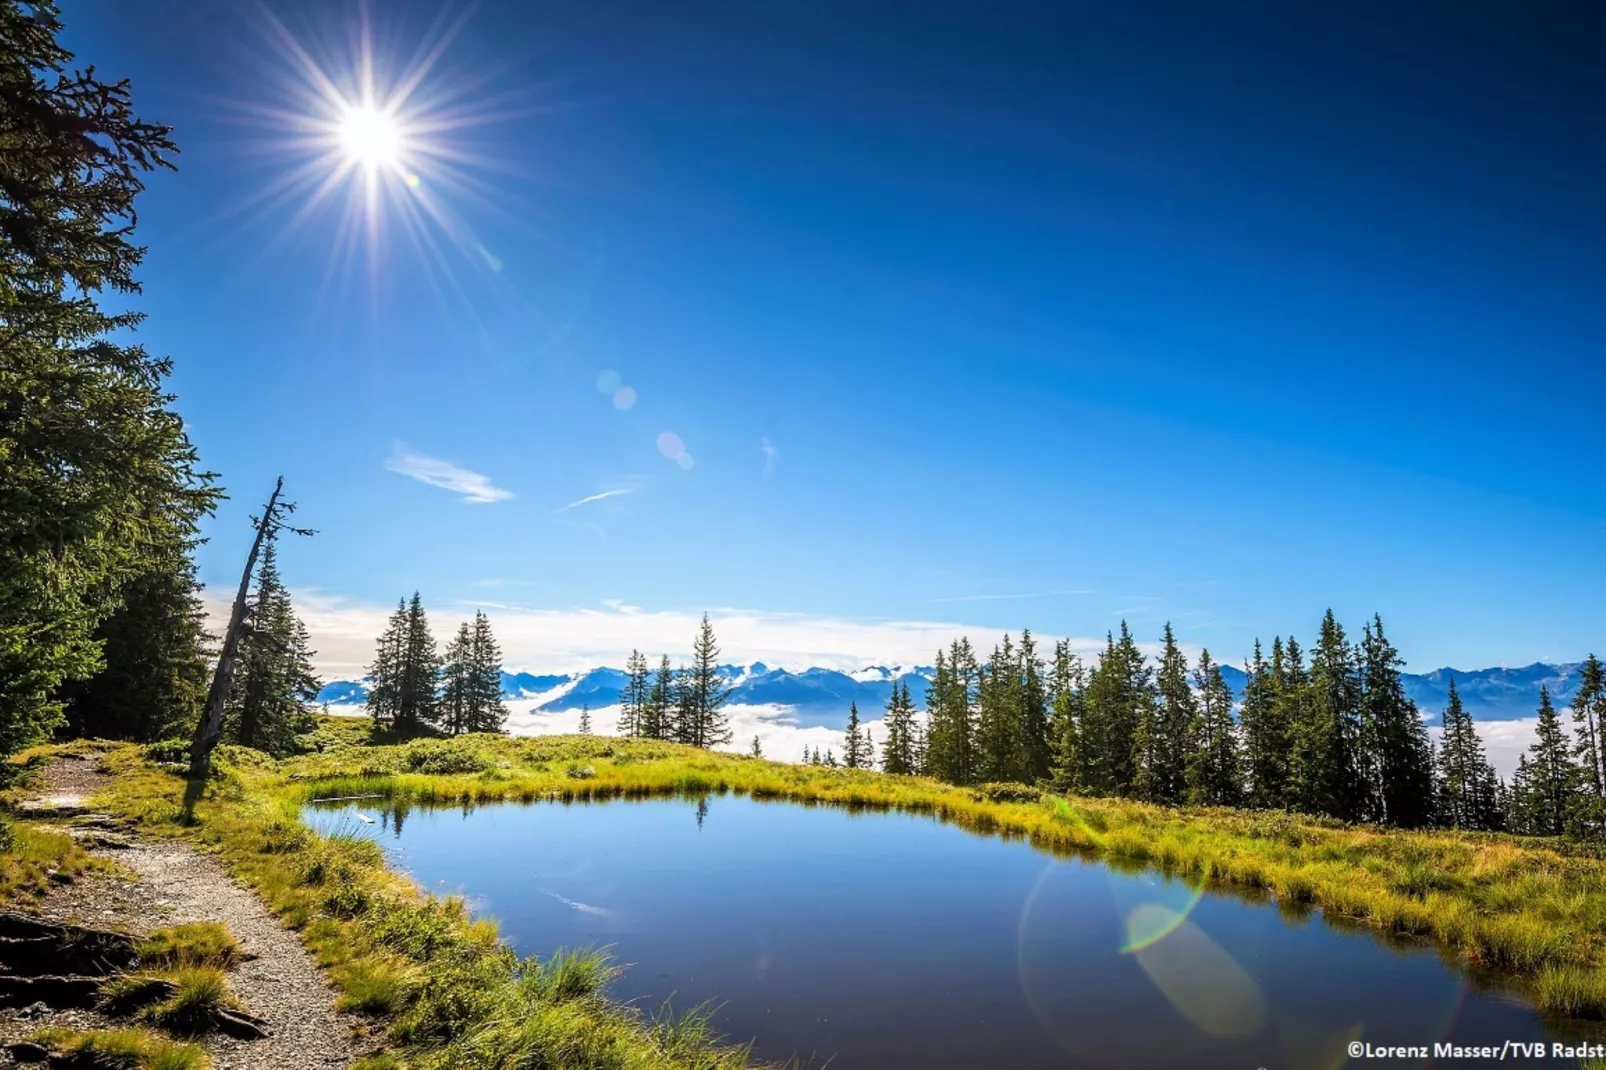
x=370, y=137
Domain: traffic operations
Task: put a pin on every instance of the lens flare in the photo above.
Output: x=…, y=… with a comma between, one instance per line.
x=608, y=381
x=624, y=398
x=1199, y=978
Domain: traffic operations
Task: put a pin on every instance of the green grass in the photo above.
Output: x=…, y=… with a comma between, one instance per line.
x=200, y=943
x=121, y=1049
x=450, y=993
x=183, y=999
x=35, y=859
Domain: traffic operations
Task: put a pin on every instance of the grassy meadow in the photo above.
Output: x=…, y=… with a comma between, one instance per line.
x=442, y=990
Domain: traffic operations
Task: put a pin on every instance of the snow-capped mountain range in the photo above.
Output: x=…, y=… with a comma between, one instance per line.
x=822, y=696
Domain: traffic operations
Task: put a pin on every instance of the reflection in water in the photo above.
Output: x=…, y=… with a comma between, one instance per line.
x=892, y=940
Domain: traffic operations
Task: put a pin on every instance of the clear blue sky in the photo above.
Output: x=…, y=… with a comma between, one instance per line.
x=1218, y=312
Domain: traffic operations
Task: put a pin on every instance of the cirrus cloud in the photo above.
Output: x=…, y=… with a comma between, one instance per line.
x=435, y=472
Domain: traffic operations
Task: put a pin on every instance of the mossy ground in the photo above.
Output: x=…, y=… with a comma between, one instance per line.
x=1533, y=909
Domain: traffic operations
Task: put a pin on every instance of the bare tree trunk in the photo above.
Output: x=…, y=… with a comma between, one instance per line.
x=210, y=728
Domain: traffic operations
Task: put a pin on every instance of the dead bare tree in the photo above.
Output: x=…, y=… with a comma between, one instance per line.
x=210, y=728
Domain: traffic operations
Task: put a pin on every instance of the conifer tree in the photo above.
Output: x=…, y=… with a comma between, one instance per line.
x=385, y=672
x=1552, y=782
x=898, y=752
x=757, y=751
x=659, y=721
x=420, y=675
x=98, y=479
x=1521, y=815
x=998, y=728
x=830, y=759
x=1265, y=737
x=1397, y=757
x=457, y=685
x=1212, y=768
x=633, y=701
x=1118, y=699
x=1169, y=731
x=951, y=752
x=1589, y=723
x=1036, y=751
x=487, y=711
x=1065, y=718
x=585, y=719
x=866, y=750
x=852, y=746
x=271, y=702
x=703, y=694
x=1328, y=741
x=1467, y=783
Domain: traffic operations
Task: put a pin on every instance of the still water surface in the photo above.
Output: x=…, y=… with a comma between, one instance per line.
x=889, y=940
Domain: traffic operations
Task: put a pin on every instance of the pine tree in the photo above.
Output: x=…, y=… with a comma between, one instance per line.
x=1119, y=698
x=830, y=759
x=1169, y=731
x=1212, y=762
x=271, y=702
x=1065, y=718
x=633, y=701
x=1328, y=741
x=998, y=728
x=1036, y=752
x=154, y=647
x=1397, y=758
x=1467, y=782
x=487, y=711
x=1522, y=815
x=1589, y=740
x=98, y=480
x=659, y=721
x=585, y=719
x=852, y=745
x=385, y=672
x=951, y=751
x=1553, y=779
x=703, y=694
x=420, y=675
x=457, y=672
x=866, y=750
x=900, y=751
x=1266, y=738
x=757, y=751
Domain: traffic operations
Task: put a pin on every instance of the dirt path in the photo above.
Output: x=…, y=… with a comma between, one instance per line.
x=168, y=883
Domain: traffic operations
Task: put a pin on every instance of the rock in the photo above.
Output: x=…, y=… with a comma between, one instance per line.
x=26, y=1051
x=57, y=806
x=58, y=992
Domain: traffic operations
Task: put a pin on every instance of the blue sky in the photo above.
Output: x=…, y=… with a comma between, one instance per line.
x=991, y=315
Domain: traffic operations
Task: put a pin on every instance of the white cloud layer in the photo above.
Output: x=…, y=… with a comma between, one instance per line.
x=445, y=475
x=570, y=640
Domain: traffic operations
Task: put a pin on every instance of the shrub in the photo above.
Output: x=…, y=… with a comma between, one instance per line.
x=1021, y=793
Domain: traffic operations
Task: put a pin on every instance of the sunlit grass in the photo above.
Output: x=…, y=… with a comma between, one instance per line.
x=120, y=1049
x=200, y=943
x=450, y=993
x=183, y=999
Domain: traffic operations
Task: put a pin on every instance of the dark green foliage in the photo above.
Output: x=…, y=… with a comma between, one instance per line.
x=1268, y=737
x=274, y=686
x=1327, y=769
x=854, y=740
x=633, y=700
x=98, y=481
x=470, y=696
x=585, y=720
x=1118, y=699
x=1588, y=816
x=406, y=671
x=658, y=716
x=1468, y=789
x=1065, y=698
x=1547, y=798
x=1213, y=765
x=1397, y=757
x=1167, y=729
x=951, y=752
x=700, y=720
x=154, y=647
x=901, y=751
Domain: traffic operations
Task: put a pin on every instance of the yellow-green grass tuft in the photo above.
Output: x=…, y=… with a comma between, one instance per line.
x=200, y=943
x=120, y=1049
x=185, y=999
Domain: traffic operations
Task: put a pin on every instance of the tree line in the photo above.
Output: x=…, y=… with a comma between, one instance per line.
x=1330, y=732
x=684, y=705
x=413, y=688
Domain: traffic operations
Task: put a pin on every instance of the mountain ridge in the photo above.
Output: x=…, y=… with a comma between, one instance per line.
x=823, y=696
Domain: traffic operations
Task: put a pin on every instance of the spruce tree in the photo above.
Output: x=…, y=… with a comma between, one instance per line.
x=1328, y=742
x=757, y=751
x=457, y=685
x=1212, y=769
x=385, y=672
x=487, y=711
x=866, y=750
x=659, y=722
x=898, y=752
x=1398, y=758
x=951, y=751
x=1589, y=723
x=1266, y=738
x=420, y=672
x=830, y=759
x=1036, y=751
x=998, y=728
x=703, y=694
x=1522, y=816
x=1065, y=718
x=271, y=702
x=1170, y=727
x=851, y=748
x=1468, y=787
x=98, y=480
x=1553, y=778
x=633, y=701
x=585, y=719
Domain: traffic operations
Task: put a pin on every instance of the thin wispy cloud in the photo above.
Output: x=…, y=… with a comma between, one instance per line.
x=1006, y=597
x=435, y=472
x=598, y=497
x=770, y=454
